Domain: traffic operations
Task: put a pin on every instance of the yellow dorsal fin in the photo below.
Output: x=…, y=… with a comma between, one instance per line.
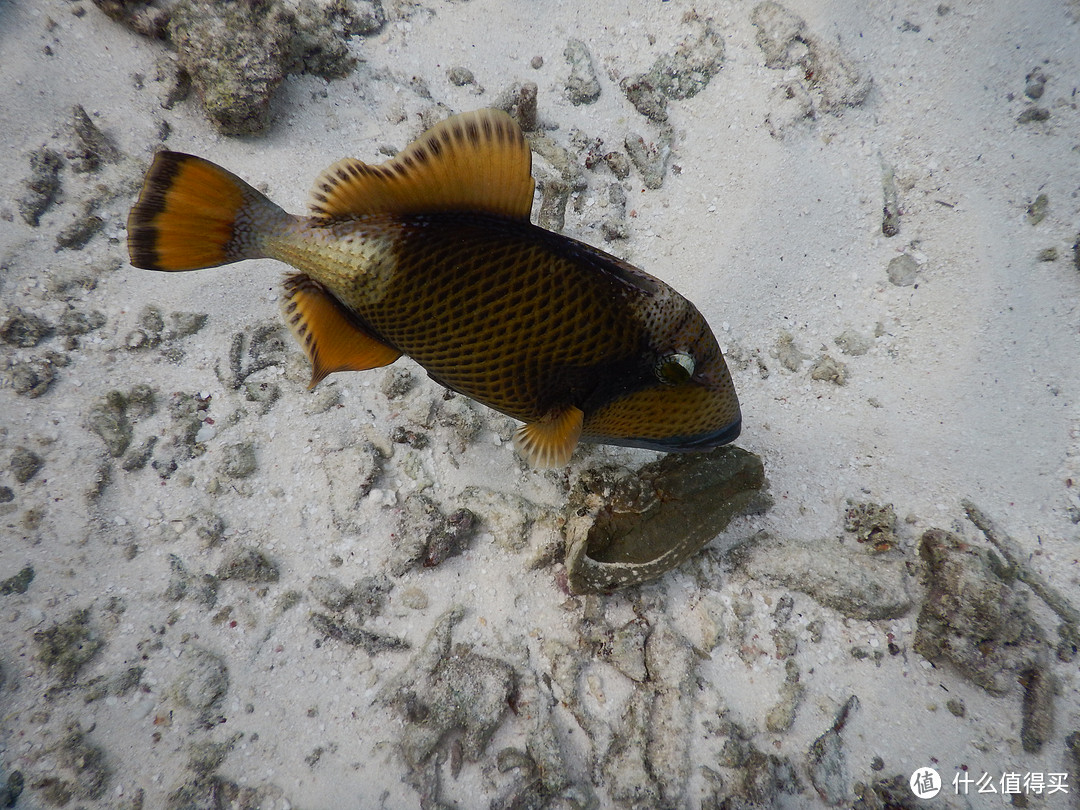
x=550, y=441
x=331, y=340
x=477, y=161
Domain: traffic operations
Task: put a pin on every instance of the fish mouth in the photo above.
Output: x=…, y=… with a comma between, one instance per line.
x=680, y=444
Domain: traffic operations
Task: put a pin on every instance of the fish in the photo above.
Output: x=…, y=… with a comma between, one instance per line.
x=433, y=255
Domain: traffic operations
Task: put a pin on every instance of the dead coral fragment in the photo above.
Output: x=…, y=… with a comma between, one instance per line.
x=430, y=536
x=650, y=159
x=829, y=80
x=203, y=681
x=234, y=53
x=582, y=87
x=238, y=53
x=827, y=761
x=112, y=416
x=790, y=356
x=973, y=617
x=519, y=101
x=679, y=75
x=19, y=583
x=249, y=565
x=146, y=17
x=829, y=369
x=853, y=583
x=871, y=523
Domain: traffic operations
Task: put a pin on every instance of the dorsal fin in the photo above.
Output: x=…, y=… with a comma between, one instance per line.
x=477, y=161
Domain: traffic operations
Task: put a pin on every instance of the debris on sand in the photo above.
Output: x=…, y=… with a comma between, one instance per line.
x=66, y=647
x=448, y=689
x=42, y=186
x=582, y=86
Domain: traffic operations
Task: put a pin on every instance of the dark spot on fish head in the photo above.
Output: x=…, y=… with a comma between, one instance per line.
x=687, y=400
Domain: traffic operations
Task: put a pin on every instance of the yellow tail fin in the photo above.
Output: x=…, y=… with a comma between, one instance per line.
x=193, y=214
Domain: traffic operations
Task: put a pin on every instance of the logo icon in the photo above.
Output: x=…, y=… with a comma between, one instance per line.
x=925, y=783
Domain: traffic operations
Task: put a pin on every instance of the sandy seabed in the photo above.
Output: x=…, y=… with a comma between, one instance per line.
x=210, y=595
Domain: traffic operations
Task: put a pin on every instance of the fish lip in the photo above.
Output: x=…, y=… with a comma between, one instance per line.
x=706, y=441
x=684, y=444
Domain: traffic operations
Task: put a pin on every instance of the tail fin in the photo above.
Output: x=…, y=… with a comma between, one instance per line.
x=193, y=214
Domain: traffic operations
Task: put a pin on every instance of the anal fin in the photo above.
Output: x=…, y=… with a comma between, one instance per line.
x=330, y=338
x=549, y=442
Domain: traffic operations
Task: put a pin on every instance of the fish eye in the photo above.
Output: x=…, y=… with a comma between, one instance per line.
x=674, y=369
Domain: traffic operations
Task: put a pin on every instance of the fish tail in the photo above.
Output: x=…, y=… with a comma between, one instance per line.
x=193, y=214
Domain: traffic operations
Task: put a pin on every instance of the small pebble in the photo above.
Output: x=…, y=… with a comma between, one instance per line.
x=24, y=329
x=829, y=369
x=330, y=592
x=413, y=598
x=25, y=464
x=853, y=343
x=1037, y=210
x=203, y=681
x=460, y=76
x=902, y=271
x=1035, y=84
x=1033, y=114
x=239, y=460
x=248, y=565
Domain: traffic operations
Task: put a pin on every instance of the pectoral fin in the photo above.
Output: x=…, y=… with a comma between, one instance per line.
x=330, y=337
x=549, y=442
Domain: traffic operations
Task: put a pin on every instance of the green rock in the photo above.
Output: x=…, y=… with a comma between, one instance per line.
x=635, y=529
x=239, y=460
x=25, y=464
x=20, y=583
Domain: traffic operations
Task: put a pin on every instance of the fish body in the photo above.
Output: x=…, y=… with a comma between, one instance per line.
x=432, y=255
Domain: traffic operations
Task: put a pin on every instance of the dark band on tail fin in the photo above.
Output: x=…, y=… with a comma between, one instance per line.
x=193, y=214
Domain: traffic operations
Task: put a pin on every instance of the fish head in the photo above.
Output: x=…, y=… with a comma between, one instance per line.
x=683, y=398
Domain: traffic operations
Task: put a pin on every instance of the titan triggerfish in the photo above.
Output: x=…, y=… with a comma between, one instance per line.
x=432, y=254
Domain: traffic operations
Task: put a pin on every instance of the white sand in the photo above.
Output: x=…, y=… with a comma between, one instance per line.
x=970, y=391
